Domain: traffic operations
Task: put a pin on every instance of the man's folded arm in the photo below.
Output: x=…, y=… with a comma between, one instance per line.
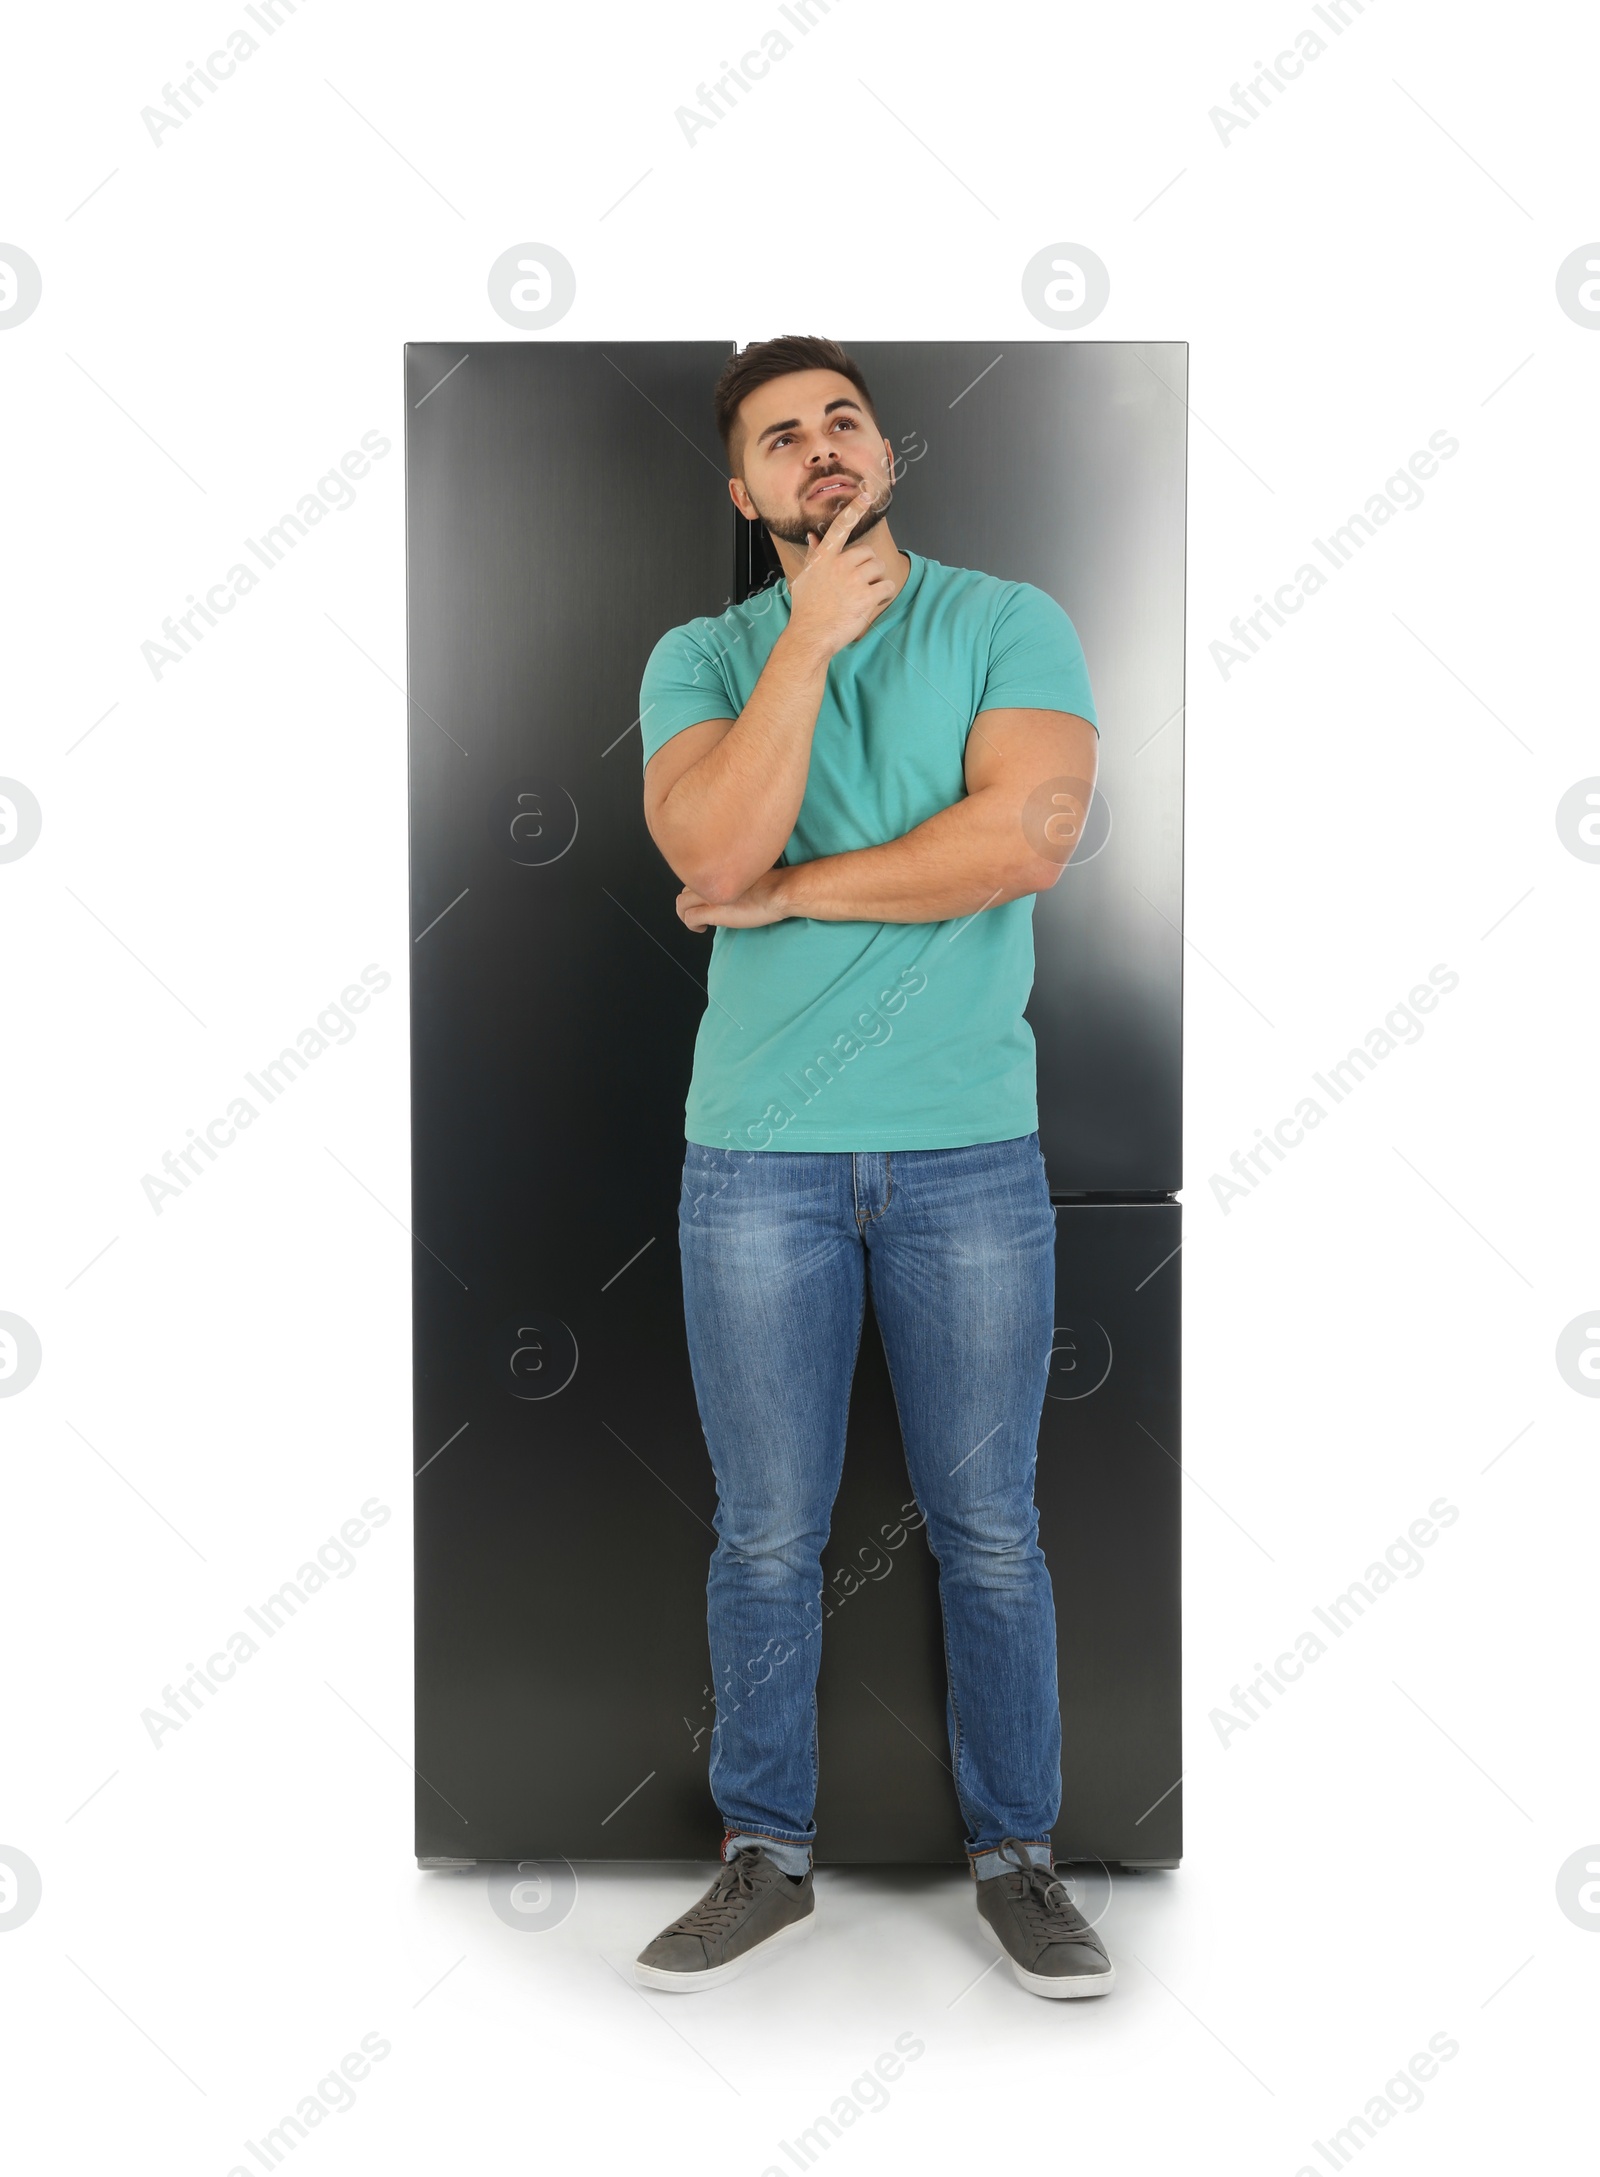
x=1030, y=775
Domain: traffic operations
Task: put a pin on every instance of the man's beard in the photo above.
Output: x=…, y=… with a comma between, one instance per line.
x=794, y=528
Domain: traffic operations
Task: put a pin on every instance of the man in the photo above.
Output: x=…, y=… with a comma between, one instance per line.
x=862, y=776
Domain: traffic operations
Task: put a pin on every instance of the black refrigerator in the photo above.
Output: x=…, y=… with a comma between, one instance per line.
x=566, y=502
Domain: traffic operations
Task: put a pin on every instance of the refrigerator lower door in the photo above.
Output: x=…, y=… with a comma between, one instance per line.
x=563, y=1704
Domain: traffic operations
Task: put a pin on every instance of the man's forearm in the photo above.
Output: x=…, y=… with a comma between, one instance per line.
x=970, y=856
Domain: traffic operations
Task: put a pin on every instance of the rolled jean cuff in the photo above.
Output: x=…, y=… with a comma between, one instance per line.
x=987, y=1864
x=792, y=1858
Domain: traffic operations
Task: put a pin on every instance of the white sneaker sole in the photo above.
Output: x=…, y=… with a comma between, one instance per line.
x=1052, y=1984
x=716, y=1976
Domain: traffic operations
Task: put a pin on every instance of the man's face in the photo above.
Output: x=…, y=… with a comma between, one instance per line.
x=808, y=442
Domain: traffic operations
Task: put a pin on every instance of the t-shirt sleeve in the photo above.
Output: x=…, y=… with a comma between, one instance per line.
x=1036, y=661
x=683, y=685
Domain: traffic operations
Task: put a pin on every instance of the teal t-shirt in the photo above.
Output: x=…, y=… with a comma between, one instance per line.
x=873, y=1035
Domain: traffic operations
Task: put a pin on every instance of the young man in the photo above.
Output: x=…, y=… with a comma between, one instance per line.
x=861, y=776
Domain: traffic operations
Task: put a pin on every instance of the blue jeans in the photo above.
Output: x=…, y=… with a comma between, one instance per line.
x=778, y=1247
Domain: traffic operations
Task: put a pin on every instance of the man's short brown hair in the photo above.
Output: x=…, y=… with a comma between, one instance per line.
x=767, y=359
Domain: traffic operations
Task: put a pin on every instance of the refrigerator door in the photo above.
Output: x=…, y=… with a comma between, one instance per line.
x=565, y=504
x=1110, y=1520
x=1061, y=463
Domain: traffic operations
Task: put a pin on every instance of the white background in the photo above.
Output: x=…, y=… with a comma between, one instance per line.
x=223, y=849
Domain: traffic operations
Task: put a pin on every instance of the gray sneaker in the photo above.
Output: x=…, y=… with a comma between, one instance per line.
x=750, y=1907
x=1052, y=1948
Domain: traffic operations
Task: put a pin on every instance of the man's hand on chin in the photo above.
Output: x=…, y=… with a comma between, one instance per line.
x=758, y=904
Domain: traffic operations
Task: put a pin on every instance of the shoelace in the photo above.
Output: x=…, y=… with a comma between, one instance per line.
x=733, y=1889
x=1046, y=1902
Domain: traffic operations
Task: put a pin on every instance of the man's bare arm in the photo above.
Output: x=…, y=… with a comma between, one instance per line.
x=721, y=798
